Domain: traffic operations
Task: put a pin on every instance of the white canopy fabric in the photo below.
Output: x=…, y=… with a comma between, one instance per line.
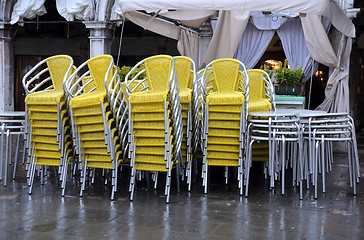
x=164, y=28
x=267, y=22
x=188, y=41
x=233, y=19
x=74, y=9
x=27, y=9
x=326, y=8
x=317, y=6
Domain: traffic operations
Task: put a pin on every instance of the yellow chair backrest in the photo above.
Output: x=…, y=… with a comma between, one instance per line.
x=225, y=73
x=58, y=67
x=132, y=85
x=90, y=85
x=184, y=72
x=158, y=71
x=98, y=67
x=256, y=85
x=209, y=76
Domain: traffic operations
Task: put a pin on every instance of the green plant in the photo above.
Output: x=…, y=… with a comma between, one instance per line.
x=123, y=71
x=267, y=69
x=286, y=75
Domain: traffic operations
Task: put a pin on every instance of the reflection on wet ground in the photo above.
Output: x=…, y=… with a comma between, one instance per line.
x=220, y=214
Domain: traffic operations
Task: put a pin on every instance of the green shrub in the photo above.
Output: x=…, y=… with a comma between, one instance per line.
x=123, y=71
x=286, y=75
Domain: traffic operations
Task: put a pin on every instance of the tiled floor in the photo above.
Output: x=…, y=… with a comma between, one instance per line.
x=220, y=214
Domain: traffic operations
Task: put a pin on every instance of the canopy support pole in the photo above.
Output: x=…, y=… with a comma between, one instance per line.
x=120, y=41
x=309, y=94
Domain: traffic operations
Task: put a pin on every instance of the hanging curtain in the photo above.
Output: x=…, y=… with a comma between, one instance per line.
x=252, y=45
x=318, y=43
x=295, y=47
x=337, y=88
x=227, y=34
x=188, y=43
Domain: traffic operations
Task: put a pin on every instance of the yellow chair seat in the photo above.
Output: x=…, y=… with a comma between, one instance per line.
x=261, y=105
x=222, y=98
x=47, y=161
x=87, y=100
x=225, y=148
x=150, y=115
x=46, y=146
x=222, y=155
x=150, y=149
x=261, y=145
x=185, y=106
x=150, y=141
x=101, y=158
x=223, y=162
x=151, y=133
x=230, y=108
x=150, y=96
x=149, y=125
x=222, y=124
x=93, y=144
x=185, y=95
x=218, y=139
x=102, y=165
x=47, y=154
x=97, y=150
x=224, y=132
x=152, y=159
x=260, y=152
x=151, y=167
x=260, y=158
x=45, y=97
x=149, y=106
x=224, y=116
x=88, y=111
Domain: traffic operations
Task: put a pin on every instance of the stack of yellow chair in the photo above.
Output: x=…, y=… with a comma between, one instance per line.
x=48, y=129
x=95, y=100
x=155, y=126
x=261, y=98
x=224, y=115
x=186, y=75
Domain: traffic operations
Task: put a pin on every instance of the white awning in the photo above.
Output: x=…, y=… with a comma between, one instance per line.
x=326, y=8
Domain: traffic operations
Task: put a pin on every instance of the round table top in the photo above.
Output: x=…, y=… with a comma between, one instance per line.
x=12, y=114
x=287, y=113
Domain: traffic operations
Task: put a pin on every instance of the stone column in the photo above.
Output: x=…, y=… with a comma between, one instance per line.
x=6, y=68
x=100, y=37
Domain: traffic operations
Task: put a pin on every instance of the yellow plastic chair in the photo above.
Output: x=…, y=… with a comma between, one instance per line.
x=97, y=104
x=155, y=119
x=261, y=97
x=186, y=75
x=224, y=116
x=47, y=123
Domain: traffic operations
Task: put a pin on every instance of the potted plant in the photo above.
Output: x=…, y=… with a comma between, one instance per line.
x=287, y=81
x=125, y=69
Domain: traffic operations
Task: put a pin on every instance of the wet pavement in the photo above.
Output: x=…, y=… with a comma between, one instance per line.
x=220, y=214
